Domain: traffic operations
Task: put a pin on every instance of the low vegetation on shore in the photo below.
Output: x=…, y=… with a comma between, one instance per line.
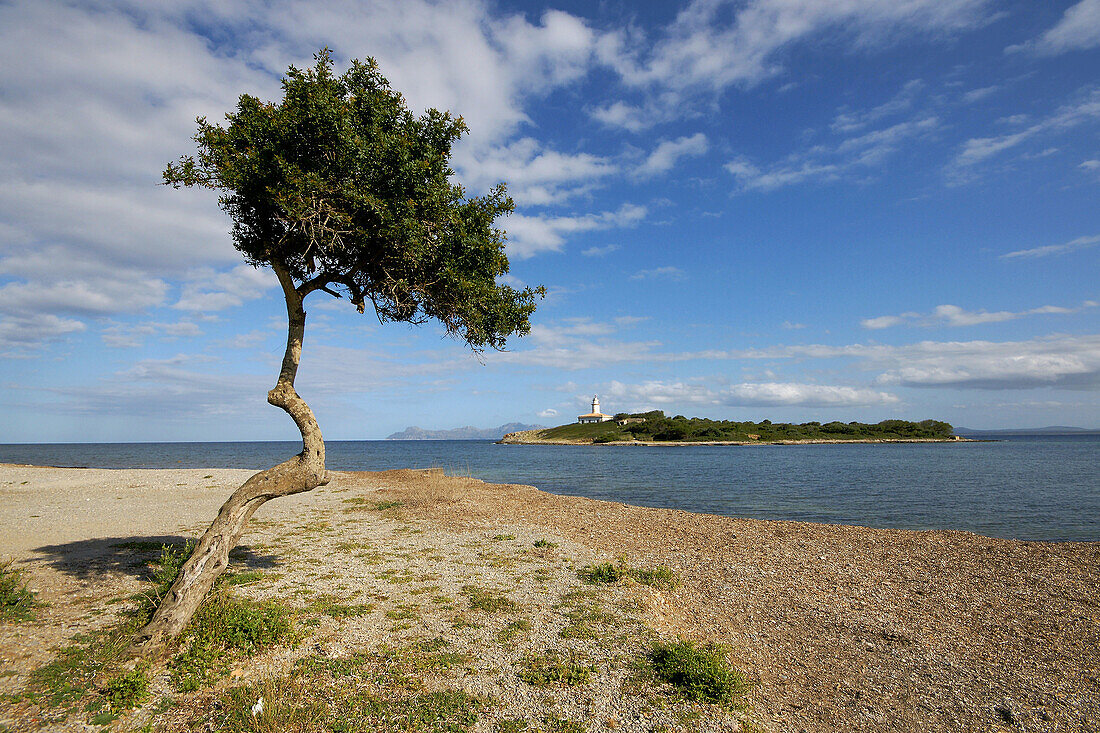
x=655, y=426
x=506, y=631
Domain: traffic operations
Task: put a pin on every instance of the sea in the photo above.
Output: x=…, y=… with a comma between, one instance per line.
x=1027, y=487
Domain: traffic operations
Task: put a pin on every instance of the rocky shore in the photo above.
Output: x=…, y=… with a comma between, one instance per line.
x=837, y=627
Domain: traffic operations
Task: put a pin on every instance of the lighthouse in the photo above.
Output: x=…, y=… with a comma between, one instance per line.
x=595, y=415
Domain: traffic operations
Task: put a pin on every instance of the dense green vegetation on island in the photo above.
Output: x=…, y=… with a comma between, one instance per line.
x=655, y=426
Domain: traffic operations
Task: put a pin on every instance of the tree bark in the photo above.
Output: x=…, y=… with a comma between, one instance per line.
x=304, y=472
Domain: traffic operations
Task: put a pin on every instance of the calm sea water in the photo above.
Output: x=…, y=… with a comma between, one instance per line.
x=1022, y=487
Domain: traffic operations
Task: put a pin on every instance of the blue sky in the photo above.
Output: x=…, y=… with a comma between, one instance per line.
x=784, y=209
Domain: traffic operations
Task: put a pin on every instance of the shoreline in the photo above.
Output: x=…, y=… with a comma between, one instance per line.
x=840, y=627
x=527, y=437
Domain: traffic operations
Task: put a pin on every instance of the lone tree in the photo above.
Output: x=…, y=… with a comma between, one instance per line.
x=339, y=188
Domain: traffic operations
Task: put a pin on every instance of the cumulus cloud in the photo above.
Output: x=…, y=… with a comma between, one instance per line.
x=529, y=235
x=207, y=291
x=669, y=152
x=535, y=176
x=22, y=335
x=745, y=394
x=87, y=128
x=548, y=412
x=953, y=315
x=1067, y=362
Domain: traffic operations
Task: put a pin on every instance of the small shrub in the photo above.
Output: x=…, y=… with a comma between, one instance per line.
x=16, y=601
x=659, y=577
x=222, y=627
x=700, y=673
x=602, y=573
x=487, y=600
x=127, y=690
x=545, y=543
x=542, y=670
x=514, y=629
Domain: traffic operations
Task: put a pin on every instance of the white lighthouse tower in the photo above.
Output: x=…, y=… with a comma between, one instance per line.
x=595, y=415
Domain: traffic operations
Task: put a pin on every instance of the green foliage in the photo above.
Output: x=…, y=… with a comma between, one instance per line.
x=483, y=599
x=346, y=190
x=514, y=629
x=699, y=673
x=656, y=427
x=127, y=690
x=16, y=601
x=658, y=577
x=542, y=670
x=547, y=544
x=331, y=606
x=225, y=627
x=167, y=567
x=603, y=573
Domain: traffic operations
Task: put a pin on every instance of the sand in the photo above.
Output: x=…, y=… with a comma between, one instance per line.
x=842, y=628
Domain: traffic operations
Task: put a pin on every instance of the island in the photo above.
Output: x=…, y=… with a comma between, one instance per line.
x=655, y=428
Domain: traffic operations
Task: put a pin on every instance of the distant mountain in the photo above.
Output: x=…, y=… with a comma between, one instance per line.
x=464, y=433
x=1049, y=430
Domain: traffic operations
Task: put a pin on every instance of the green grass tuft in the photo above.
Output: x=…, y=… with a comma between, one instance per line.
x=16, y=601
x=658, y=577
x=699, y=673
x=224, y=627
x=127, y=690
x=487, y=600
x=542, y=670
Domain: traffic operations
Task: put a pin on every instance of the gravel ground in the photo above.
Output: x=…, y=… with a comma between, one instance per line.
x=842, y=628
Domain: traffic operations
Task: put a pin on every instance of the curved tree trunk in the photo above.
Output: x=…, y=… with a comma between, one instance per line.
x=304, y=472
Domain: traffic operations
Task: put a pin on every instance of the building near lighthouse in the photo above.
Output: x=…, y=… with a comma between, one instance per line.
x=595, y=415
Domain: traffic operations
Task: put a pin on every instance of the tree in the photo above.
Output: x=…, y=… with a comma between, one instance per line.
x=339, y=188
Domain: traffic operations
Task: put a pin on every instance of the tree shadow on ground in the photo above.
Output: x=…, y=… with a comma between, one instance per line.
x=89, y=559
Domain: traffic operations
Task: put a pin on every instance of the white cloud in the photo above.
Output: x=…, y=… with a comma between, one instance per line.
x=831, y=162
x=1078, y=29
x=977, y=95
x=669, y=152
x=978, y=150
x=548, y=412
x=669, y=272
x=1055, y=361
x=626, y=116
x=600, y=251
x=1068, y=362
x=953, y=315
x=118, y=335
x=1055, y=249
x=87, y=128
x=21, y=335
x=849, y=121
x=530, y=235
x=712, y=44
x=775, y=394
x=208, y=291
x=535, y=176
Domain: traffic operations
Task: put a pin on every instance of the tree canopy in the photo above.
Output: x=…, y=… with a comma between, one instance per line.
x=346, y=190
